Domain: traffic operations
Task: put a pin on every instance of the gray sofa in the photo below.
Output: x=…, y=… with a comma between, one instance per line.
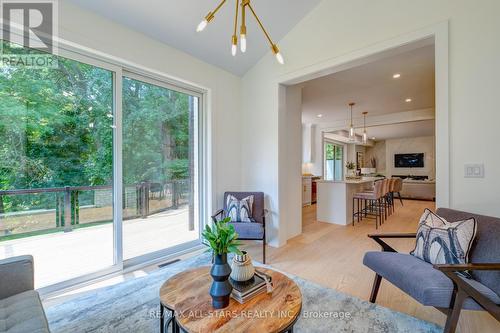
x=21, y=310
x=443, y=286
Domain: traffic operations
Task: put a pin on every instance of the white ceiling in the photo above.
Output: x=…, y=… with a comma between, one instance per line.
x=174, y=22
x=402, y=130
x=373, y=88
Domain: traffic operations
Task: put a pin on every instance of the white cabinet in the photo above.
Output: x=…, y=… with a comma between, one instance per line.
x=306, y=191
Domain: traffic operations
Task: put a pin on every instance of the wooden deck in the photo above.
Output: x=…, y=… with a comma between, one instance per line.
x=62, y=256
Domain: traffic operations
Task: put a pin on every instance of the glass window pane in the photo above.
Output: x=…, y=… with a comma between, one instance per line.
x=56, y=139
x=339, y=163
x=159, y=173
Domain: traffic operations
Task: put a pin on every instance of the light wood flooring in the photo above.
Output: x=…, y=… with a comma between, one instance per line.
x=332, y=255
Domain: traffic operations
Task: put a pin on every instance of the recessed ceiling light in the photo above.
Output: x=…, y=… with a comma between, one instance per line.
x=408, y=100
x=396, y=76
x=319, y=115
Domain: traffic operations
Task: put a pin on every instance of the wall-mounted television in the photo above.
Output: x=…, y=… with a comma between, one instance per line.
x=414, y=160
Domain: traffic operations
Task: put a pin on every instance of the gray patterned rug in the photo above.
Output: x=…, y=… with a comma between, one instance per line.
x=132, y=306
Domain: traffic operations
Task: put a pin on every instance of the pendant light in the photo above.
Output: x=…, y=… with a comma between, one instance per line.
x=365, y=136
x=352, y=134
x=243, y=29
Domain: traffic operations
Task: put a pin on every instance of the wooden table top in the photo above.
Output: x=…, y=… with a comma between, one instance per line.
x=187, y=294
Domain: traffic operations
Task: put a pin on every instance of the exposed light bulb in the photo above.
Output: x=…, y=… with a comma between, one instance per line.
x=365, y=138
x=277, y=53
x=351, y=133
x=234, y=45
x=243, y=41
x=203, y=24
x=280, y=59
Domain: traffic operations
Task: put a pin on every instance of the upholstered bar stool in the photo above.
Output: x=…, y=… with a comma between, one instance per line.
x=398, y=186
x=383, y=203
x=392, y=183
x=373, y=204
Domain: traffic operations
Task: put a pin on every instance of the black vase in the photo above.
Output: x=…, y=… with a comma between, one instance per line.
x=221, y=288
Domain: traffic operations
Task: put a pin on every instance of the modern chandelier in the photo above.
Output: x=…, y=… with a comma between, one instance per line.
x=243, y=29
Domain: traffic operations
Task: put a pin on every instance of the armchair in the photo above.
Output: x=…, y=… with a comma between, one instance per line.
x=249, y=230
x=20, y=306
x=442, y=286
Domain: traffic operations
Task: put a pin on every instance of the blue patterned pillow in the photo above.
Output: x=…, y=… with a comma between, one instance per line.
x=239, y=210
x=442, y=242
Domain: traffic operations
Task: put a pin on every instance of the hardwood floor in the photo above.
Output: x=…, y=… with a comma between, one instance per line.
x=332, y=256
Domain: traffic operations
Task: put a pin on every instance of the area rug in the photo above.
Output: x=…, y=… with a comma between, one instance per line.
x=133, y=306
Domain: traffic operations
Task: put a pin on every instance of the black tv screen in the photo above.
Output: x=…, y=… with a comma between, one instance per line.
x=415, y=160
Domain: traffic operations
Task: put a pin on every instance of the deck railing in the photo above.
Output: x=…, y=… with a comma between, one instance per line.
x=172, y=194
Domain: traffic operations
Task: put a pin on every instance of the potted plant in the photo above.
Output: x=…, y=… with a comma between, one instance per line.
x=350, y=167
x=222, y=239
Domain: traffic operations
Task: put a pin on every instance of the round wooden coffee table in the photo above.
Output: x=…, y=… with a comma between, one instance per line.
x=186, y=296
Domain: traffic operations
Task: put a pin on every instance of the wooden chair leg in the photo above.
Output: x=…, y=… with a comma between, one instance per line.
x=375, y=288
x=457, y=301
x=353, y=215
x=385, y=206
x=400, y=199
x=357, y=208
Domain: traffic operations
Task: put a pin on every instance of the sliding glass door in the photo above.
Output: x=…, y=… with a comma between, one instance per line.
x=333, y=161
x=97, y=169
x=160, y=173
x=56, y=167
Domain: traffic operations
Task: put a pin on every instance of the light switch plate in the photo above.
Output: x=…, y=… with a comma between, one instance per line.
x=474, y=171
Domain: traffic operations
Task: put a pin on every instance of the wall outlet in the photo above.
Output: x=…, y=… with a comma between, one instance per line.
x=474, y=171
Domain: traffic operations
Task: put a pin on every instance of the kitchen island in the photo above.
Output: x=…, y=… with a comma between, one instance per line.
x=334, y=201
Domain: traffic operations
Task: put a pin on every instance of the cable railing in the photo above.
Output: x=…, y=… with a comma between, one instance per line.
x=140, y=200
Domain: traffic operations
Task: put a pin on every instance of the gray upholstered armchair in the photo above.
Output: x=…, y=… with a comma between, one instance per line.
x=442, y=286
x=255, y=230
x=21, y=310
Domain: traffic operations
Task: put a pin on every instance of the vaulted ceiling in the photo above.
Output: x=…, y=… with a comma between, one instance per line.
x=174, y=22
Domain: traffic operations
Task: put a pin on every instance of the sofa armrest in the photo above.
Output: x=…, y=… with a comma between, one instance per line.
x=461, y=286
x=16, y=275
x=386, y=247
x=394, y=235
x=469, y=267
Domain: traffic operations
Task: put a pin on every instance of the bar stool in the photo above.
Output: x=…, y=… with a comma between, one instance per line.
x=392, y=183
x=373, y=204
x=384, y=200
x=398, y=186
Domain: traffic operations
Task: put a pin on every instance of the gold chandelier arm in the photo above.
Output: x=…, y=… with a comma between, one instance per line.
x=236, y=17
x=260, y=24
x=243, y=29
x=210, y=15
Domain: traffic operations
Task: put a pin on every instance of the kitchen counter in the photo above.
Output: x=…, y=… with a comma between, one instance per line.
x=335, y=199
x=348, y=181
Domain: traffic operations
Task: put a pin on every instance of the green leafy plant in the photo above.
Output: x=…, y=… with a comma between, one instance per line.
x=221, y=237
x=350, y=165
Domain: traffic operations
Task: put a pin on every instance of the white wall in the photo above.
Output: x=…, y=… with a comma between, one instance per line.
x=290, y=161
x=87, y=29
x=335, y=28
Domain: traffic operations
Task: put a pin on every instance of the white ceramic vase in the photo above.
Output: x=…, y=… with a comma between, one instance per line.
x=242, y=268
